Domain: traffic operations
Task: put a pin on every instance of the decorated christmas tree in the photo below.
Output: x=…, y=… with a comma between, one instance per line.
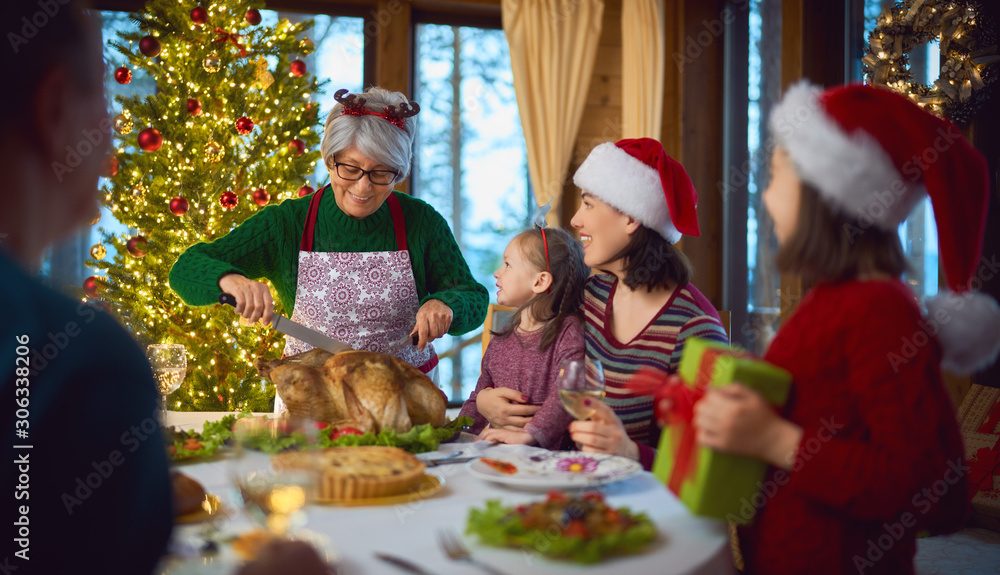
x=230, y=130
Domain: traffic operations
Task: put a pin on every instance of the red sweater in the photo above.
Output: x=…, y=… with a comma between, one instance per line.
x=881, y=456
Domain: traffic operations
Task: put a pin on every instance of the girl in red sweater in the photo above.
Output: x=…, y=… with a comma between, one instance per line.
x=867, y=453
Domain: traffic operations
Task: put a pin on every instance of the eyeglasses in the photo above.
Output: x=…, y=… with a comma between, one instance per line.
x=354, y=173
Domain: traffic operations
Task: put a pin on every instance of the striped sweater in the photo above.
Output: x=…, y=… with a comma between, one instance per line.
x=686, y=314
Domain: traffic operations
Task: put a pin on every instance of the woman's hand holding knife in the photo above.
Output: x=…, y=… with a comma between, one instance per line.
x=253, y=298
x=433, y=320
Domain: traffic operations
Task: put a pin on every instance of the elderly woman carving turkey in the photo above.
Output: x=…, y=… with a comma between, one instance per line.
x=364, y=264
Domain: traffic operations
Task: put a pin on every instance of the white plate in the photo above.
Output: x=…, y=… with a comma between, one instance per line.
x=543, y=470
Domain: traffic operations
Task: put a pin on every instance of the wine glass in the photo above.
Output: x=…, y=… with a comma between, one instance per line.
x=275, y=492
x=169, y=363
x=577, y=381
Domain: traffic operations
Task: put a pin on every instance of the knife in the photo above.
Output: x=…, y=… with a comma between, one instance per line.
x=297, y=330
x=403, y=564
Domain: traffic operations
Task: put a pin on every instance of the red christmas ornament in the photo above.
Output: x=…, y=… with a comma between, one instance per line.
x=178, y=206
x=228, y=200
x=244, y=126
x=194, y=107
x=199, y=15
x=149, y=140
x=110, y=167
x=298, y=68
x=305, y=191
x=123, y=75
x=260, y=197
x=297, y=147
x=253, y=16
x=136, y=246
x=93, y=286
x=149, y=46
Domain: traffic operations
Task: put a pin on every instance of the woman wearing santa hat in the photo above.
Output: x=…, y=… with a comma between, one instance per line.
x=636, y=203
x=867, y=452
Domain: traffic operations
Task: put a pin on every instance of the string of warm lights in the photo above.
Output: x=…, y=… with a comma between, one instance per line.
x=229, y=131
x=968, y=47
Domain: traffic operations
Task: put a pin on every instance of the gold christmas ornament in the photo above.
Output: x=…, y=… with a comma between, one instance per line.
x=214, y=152
x=212, y=63
x=262, y=75
x=123, y=124
x=138, y=191
x=306, y=44
x=97, y=251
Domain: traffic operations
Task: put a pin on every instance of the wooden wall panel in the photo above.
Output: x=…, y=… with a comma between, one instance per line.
x=602, y=116
x=701, y=141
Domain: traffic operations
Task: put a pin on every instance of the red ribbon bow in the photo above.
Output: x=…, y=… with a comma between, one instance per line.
x=234, y=37
x=673, y=404
x=983, y=468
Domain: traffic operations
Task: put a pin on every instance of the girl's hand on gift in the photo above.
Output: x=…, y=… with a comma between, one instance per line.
x=603, y=433
x=737, y=419
x=507, y=436
x=505, y=407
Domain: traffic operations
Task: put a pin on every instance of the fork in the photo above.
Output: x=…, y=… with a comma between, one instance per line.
x=456, y=551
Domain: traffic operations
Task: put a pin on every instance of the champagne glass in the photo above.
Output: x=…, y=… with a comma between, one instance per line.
x=579, y=380
x=275, y=491
x=169, y=363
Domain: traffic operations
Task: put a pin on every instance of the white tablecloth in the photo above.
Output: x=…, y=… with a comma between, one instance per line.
x=686, y=544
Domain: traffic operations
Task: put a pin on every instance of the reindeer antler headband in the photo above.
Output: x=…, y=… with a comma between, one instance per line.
x=355, y=106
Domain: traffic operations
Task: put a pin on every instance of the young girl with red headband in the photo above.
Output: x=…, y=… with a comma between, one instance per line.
x=542, y=275
x=867, y=453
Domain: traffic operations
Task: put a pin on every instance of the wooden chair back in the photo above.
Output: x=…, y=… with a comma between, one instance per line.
x=497, y=316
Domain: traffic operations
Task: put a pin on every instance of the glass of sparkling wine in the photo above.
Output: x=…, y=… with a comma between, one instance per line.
x=275, y=496
x=579, y=380
x=169, y=363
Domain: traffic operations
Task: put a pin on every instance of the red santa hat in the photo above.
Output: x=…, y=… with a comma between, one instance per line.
x=639, y=179
x=873, y=154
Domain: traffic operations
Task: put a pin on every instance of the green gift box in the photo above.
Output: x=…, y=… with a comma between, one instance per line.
x=716, y=484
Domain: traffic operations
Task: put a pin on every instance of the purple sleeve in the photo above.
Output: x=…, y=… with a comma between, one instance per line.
x=550, y=424
x=646, y=455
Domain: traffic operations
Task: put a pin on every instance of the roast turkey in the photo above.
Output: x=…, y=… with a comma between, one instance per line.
x=368, y=390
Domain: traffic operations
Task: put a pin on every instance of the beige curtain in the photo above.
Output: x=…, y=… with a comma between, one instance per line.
x=553, y=44
x=643, y=57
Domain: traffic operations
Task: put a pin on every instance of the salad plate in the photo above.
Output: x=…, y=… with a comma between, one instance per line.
x=544, y=470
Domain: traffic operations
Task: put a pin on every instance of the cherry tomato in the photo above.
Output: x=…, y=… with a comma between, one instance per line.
x=576, y=528
x=555, y=495
x=346, y=431
x=593, y=496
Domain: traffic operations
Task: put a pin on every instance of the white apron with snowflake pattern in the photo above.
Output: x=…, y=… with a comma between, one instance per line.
x=366, y=300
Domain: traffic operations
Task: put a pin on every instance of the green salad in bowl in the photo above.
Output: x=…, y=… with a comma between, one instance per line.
x=583, y=529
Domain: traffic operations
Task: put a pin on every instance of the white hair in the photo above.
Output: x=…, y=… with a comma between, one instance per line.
x=373, y=136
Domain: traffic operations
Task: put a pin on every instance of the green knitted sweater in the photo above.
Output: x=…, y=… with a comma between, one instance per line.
x=267, y=246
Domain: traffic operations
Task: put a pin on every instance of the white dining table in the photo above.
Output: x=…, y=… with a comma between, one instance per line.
x=352, y=535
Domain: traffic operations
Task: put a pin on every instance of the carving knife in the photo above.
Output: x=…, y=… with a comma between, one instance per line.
x=296, y=330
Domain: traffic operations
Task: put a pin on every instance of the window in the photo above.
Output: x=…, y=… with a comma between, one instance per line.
x=337, y=61
x=471, y=163
x=763, y=296
x=762, y=292
x=918, y=233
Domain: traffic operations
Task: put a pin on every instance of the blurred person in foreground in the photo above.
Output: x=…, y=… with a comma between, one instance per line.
x=84, y=467
x=84, y=464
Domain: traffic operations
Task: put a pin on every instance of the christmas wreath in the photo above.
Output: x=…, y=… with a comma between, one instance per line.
x=968, y=50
